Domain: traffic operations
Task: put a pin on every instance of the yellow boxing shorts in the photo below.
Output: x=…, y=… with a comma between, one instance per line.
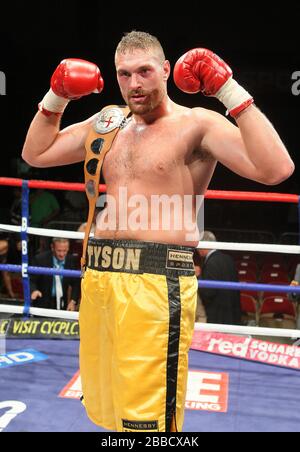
x=136, y=319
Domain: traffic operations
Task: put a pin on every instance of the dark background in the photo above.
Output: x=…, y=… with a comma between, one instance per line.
x=261, y=46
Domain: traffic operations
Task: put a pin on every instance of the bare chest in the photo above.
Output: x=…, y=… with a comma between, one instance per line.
x=140, y=152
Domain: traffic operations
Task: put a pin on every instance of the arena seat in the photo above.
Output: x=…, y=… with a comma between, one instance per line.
x=274, y=277
x=247, y=265
x=278, y=312
x=249, y=308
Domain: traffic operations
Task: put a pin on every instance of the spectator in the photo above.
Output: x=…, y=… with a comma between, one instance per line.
x=295, y=282
x=3, y=259
x=10, y=252
x=77, y=245
x=200, y=311
x=13, y=281
x=221, y=306
x=16, y=207
x=3, y=248
x=44, y=208
x=55, y=292
x=75, y=207
x=296, y=296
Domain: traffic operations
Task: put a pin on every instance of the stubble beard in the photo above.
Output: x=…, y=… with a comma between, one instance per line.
x=154, y=100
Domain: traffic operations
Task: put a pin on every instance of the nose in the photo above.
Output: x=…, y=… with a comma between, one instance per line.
x=135, y=82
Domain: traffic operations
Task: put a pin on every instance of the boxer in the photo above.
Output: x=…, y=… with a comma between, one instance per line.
x=139, y=292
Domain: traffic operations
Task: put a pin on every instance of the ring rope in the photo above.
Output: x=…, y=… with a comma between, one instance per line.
x=201, y=283
x=45, y=232
x=210, y=194
x=41, y=271
x=225, y=246
x=47, y=185
x=40, y=312
x=234, y=196
x=203, y=327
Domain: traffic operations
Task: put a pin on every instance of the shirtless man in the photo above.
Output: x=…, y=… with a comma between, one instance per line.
x=139, y=292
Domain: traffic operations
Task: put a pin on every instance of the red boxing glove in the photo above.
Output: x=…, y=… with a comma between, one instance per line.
x=202, y=70
x=72, y=79
x=75, y=78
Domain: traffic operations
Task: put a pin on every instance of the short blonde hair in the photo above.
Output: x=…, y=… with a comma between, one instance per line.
x=209, y=236
x=140, y=40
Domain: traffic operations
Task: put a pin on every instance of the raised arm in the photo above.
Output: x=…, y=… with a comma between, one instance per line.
x=253, y=149
x=46, y=145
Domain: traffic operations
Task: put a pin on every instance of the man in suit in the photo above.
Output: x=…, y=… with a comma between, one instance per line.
x=55, y=292
x=296, y=296
x=221, y=306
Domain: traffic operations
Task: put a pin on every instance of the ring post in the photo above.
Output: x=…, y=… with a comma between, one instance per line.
x=24, y=238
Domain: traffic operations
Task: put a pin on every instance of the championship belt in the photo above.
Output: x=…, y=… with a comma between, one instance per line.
x=99, y=141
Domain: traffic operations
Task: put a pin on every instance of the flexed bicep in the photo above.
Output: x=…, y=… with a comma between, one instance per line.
x=253, y=150
x=224, y=142
x=46, y=148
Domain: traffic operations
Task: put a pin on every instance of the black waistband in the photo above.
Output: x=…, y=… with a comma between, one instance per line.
x=129, y=256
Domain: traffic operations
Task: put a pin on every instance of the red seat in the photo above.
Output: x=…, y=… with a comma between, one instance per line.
x=273, y=293
x=247, y=276
x=275, y=277
x=278, y=305
x=251, y=293
x=273, y=267
x=266, y=295
x=278, y=312
x=247, y=265
x=249, y=308
x=246, y=258
x=274, y=259
x=248, y=303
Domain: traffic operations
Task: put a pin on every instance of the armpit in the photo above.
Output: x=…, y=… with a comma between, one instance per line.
x=203, y=156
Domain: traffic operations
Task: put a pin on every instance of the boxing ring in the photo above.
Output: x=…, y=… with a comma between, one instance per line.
x=236, y=381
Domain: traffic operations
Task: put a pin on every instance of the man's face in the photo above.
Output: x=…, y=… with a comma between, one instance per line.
x=202, y=253
x=60, y=250
x=142, y=79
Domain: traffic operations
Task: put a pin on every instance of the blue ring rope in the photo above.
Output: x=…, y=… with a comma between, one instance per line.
x=202, y=283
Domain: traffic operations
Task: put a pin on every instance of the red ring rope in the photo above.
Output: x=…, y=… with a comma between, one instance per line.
x=210, y=194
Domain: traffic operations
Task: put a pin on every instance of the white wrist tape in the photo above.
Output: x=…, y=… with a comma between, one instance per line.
x=232, y=95
x=54, y=103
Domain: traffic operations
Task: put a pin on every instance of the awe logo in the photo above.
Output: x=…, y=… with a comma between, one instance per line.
x=207, y=392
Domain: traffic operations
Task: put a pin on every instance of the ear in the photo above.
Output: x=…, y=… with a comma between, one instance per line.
x=167, y=70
